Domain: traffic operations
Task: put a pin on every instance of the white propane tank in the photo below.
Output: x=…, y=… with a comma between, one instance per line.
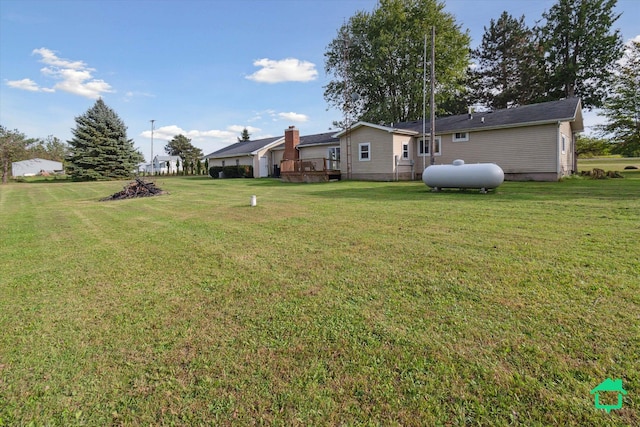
x=459, y=175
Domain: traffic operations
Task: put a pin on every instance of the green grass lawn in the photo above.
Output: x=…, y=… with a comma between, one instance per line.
x=345, y=303
x=608, y=163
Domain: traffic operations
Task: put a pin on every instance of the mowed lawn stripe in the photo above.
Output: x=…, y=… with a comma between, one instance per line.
x=345, y=302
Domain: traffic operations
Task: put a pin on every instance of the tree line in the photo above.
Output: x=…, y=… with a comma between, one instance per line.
x=16, y=146
x=376, y=64
x=98, y=150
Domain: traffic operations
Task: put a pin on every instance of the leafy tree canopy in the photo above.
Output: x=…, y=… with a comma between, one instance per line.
x=181, y=146
x=622, y=108
x=589, y=146
x=13, y=147
x=376, y=61
x=100, y=148
x=50, y=148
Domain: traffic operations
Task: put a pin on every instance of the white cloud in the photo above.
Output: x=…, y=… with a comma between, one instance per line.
x=627, y=51
x=73, y=76
x=50, y=58
x=240, y=128
x=274, y=116
x=228, y=135
x=24, y=84
x=128, y=96
x=294, y=117
x=285, y=70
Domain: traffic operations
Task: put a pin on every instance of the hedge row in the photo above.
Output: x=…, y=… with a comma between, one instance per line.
x=242, y=171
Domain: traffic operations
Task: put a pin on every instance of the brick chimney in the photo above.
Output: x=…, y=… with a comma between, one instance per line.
x=291, y=141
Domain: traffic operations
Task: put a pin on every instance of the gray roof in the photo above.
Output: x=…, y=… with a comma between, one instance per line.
x=243, y=148
x=319, y=139
x=38, y=161
x=545, y=112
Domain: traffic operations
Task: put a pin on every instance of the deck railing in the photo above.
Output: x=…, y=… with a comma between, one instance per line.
x=309, y=165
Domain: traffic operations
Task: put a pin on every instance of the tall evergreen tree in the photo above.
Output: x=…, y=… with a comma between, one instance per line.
x=508, y=64
x=581, y=49
x=376, y=60
x=622, y=108
x=100, y=148
x=244, y=136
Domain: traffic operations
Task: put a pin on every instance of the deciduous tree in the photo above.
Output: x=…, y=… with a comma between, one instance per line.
x=590, y=146
x=50, y=148
x=181, y=146
x=376, y=60
x=13, y=146
x=622, y=108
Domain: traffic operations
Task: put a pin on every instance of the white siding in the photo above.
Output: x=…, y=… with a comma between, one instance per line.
x=34, y=167
x=566, y=157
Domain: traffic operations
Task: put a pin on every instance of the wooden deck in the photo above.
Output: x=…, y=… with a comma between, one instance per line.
x=309, y=170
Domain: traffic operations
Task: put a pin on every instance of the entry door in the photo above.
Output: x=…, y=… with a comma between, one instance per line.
x=264, y=167
x=334, y=158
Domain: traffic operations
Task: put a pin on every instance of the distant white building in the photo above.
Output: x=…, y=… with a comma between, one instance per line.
x=33, y=167
x=166, y=164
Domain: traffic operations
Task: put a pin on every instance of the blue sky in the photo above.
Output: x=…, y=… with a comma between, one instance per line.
x=203, y=68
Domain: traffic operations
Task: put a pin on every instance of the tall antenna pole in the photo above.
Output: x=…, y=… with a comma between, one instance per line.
x=424, y=102
x=348, y=98
x=433, y=95
x=152, y=166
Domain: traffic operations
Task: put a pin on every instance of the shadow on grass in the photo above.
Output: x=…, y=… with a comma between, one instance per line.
x=571, y=189
x=41, y=180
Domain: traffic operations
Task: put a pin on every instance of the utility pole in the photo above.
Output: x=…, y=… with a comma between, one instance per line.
x=152, y=171
x=348, y=99
x=424, y=103
x=433, y=96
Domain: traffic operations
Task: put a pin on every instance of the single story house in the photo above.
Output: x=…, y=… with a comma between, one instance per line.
x=266, y=155
x=36, y=166
x=254, y=153
x=530, y=142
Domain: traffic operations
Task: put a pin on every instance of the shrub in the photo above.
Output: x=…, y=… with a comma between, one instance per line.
x=241, y=171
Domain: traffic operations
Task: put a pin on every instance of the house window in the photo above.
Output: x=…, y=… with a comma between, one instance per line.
x=237, y=162
x=364, y=151
x=223, y=163
x=423, y=147
x=460, y=137
x=405, y=151
x=564, y=144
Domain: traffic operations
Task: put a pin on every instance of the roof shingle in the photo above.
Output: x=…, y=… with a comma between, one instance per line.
x=546, y=112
